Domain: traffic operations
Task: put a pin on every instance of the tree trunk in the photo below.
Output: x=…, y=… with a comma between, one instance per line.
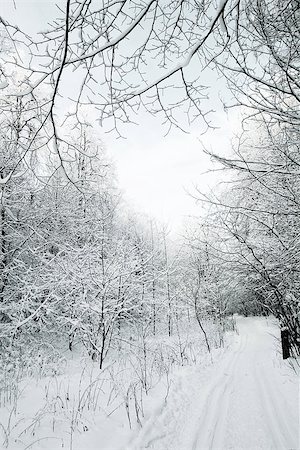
x=285, y=343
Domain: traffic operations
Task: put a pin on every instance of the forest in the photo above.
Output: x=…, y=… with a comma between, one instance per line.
x=95, y=293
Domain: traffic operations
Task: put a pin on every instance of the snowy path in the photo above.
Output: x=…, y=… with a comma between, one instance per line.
x=248, y=399
x=249, y=403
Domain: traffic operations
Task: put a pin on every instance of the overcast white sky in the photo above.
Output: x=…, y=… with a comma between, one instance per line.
x=154, y=170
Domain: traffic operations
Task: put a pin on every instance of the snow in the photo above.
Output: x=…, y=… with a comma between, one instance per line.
x=248, y=399
x=3, y=84
x=4, y=180
x=242, y=396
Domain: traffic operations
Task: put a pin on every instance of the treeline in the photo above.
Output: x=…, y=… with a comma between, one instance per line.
x=72, y=262
x=252, y=227
x=78, y=269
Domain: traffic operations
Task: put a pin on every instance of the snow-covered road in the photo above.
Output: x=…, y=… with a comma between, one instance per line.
x=247, y=399
x=250, y=403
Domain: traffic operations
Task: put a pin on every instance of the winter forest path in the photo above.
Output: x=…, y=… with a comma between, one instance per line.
x=248, y=399
x=251, y=404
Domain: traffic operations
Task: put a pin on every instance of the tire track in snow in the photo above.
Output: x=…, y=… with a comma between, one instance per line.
x=282, y=435
x=211, y=424
x=241, y=403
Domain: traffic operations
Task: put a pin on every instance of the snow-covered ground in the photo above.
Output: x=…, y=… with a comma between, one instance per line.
x=242, y=396
x=248, y=399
